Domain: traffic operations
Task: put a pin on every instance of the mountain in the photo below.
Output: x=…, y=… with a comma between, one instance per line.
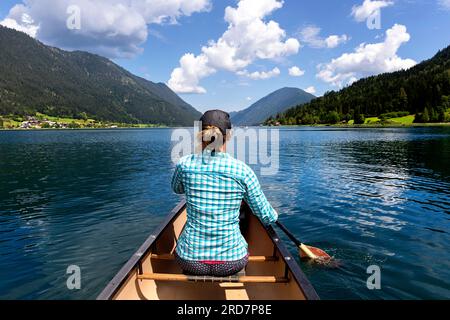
x=276, y=102
x=38, y=78
x=423, y=91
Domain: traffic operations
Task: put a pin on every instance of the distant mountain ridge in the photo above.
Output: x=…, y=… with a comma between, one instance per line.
x=38, y=78
x=271, y=105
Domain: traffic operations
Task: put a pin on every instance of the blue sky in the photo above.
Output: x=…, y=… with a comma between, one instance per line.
x=149, y=37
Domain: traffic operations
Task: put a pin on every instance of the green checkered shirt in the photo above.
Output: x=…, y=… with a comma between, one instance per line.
x=215, y=185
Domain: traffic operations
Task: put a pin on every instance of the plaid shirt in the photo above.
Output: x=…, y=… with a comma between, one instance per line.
x=215, y=185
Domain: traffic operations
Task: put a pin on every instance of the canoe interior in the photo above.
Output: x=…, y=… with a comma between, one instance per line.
x=260, y=244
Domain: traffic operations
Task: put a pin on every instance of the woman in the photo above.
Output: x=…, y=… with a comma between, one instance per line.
x=215, y=184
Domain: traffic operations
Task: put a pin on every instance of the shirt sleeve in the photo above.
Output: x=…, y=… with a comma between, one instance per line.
x=257, y=201
x=177, y=182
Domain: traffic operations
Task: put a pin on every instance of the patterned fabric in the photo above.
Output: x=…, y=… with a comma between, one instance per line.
x=215, y=185
x=198, y=268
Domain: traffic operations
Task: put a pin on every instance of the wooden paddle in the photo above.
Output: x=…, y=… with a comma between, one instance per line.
x=315, y=254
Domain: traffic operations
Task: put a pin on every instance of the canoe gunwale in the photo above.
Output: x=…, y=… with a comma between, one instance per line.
x=292, y=265
x=133, y=263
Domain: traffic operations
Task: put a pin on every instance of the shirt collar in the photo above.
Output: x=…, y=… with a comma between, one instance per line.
x=208, y=154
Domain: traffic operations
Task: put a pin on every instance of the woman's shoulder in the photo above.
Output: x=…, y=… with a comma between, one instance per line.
x=185, y=160
x=240, y=166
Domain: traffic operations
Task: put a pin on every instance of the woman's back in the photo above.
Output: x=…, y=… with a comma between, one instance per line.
x=215, y=185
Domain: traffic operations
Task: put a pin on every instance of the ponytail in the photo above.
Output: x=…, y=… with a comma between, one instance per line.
x=212, y=134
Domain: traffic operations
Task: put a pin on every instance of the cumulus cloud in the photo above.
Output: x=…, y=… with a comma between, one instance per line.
x=311, y=90
x=21, y=22
x=296, y=72
x=260, y=75
x=334, y=40
x=188, y=75
x=311, y=36
x=169, y=11
x=114, y=28
x=368, y=59
x=248, y=38
x=368, y=8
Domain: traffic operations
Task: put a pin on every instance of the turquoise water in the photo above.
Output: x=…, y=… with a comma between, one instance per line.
x=90, y=198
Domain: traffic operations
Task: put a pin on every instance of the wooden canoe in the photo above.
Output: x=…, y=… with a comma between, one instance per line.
x=152, y=273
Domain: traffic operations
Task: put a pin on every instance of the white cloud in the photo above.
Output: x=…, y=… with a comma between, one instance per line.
x=260, y=75
x=114, y=28
x=296, y=72
x=368, y=8
x=311, y=90
x=25, y=24
x=333, y=41
x=444, y=4
x=249, y=98
x=311, y=36
x=169, y=11
x=368, y=59
x=191, y=70
x=248, y=38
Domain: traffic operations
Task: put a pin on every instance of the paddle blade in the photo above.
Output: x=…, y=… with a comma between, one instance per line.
x=319, y=253
x=313, y=253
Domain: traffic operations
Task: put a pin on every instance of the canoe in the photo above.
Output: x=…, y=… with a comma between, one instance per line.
x=153, y=274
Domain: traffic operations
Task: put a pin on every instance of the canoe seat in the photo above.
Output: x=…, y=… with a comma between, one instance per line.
x=250, y=259
x=231, y=279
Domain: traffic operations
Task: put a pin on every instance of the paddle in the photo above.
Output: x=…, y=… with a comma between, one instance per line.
x=315, y=254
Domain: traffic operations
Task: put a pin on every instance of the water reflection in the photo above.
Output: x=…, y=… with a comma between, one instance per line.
x=369, y=191
x=375, y=196
x=84, y=201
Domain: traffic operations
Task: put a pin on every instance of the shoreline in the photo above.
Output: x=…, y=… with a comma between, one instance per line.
x=365, y=126
x=84, y=129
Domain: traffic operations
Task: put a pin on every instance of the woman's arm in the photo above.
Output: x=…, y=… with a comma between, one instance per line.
x=177, y=182
x=257, y=201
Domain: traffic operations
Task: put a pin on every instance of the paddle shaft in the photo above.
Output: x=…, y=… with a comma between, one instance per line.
x=289, y=234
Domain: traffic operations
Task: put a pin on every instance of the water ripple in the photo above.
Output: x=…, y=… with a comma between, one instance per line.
x=90, y=198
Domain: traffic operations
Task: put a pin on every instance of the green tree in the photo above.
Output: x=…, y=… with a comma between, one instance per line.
x=333, y=117
x=445, y=100
x=83, y=116
x=292, y=121
x=403, y=99
x=308, y=119
x=425, y=116
x=358, y=116
x=434, y=115
x=426, y=85
x=74, y=125
x=361, y=119
x=440, y=114
x=347, y=117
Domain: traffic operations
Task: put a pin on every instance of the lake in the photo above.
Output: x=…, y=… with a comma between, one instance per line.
x=90, y=198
